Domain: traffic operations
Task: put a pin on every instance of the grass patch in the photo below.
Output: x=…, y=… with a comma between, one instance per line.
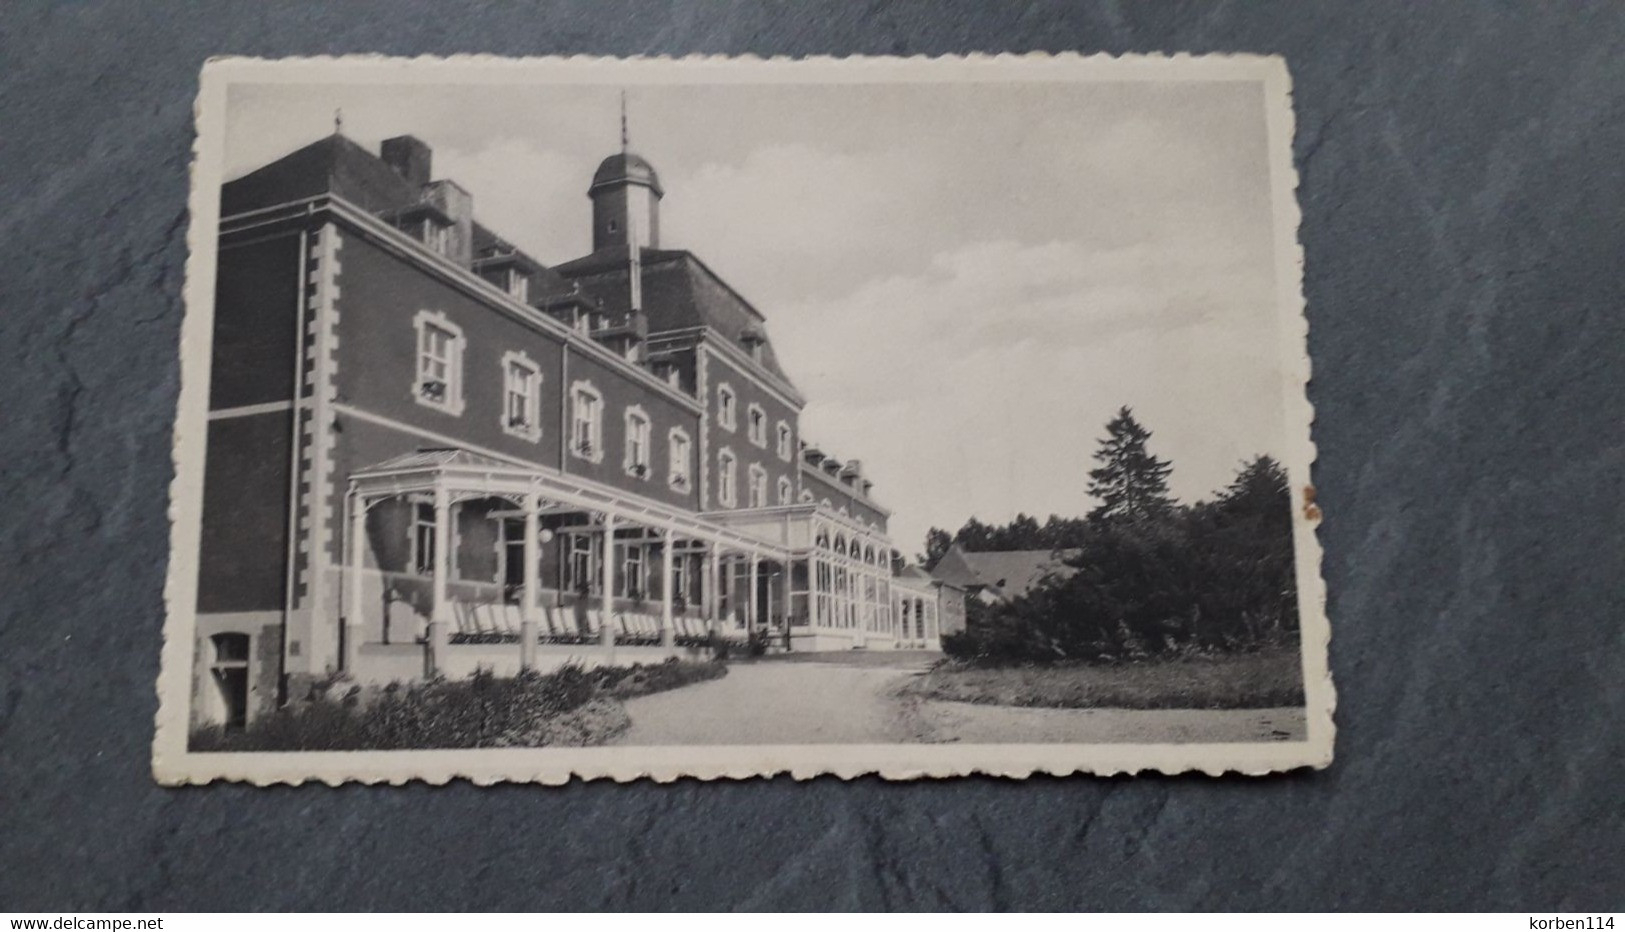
x=1266, y=679
x=569, y=707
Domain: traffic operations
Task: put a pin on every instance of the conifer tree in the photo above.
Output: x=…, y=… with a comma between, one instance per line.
x=1130, y=483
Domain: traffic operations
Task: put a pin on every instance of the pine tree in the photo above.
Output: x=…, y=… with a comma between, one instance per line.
x=937, y=542
x=1130, y=483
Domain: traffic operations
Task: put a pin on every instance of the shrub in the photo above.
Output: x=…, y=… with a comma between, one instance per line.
x=528, y=710
x=1217, y=576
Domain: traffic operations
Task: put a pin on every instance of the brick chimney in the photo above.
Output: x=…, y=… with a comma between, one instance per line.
x=410, y=157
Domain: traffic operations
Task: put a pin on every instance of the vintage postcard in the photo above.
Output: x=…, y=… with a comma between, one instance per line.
x=559, y=418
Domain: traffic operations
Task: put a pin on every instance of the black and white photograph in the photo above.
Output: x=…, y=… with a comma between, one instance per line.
x=712, y=418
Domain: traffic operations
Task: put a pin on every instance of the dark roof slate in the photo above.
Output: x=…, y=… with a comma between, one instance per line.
x=1010, y=573
x=331, y=165
x=679, y=292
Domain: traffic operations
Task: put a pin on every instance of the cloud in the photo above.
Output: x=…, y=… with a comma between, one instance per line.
x=798, y=219
x=979, y=386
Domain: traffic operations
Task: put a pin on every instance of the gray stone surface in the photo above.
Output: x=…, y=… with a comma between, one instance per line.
x=1463, y=188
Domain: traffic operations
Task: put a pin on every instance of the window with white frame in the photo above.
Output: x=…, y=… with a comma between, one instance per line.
x=518, y=285
x=679, y=453
x=632, y=567
x=727, y=478
x=521, y=396
x=586, y=422
x=758, y=486
x=784, y=441
x=636, y=462
x=423, y=533
x=756, y=424
x=579, y=568
x=438, y=382
x=785, y=491
x=726, y=402
x=806, y=496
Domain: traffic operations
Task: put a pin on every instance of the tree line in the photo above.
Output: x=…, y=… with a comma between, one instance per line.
x=1151, y=576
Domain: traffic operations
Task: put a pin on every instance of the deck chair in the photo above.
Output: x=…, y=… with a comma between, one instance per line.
x=513, y=619
x=462, y=616
x=485, y=618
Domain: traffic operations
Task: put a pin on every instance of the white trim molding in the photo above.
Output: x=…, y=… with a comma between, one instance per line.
x=727, y=478
x=528, y=424
x=638, y=424
x=444, y=393
x=756, y=424
x=591, y=447
x=680, y=471
x=727, y=414
x=785, y=439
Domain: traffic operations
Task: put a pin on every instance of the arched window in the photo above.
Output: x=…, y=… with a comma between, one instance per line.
x=785, y=491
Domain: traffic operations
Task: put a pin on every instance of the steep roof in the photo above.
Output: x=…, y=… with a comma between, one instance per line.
x=330, y=165
x=1010, y=573
x=679, y=292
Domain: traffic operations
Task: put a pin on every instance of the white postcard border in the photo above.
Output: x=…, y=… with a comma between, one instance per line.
x=173, y=764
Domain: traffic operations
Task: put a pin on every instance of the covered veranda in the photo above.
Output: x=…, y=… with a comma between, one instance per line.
x=454, y=560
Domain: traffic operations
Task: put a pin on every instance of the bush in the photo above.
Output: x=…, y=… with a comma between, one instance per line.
x=1216, y=577
x=483, y=711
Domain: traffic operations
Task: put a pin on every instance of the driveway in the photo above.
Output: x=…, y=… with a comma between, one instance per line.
x=796, y=699
x=851, y=698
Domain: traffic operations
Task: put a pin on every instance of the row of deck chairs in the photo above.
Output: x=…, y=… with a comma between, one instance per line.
x=490, y=622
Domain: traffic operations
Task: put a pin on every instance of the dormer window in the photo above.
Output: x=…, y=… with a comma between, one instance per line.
x=522, y=396
x=519, y=286
x=756, y=424
x=726, y=402
x=439, y=377
x=437, y=236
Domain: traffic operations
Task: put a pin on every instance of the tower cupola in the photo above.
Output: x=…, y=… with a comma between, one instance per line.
x=625, y=195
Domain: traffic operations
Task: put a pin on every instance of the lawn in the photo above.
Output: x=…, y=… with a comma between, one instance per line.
x=569, y=707
x=1260, y=680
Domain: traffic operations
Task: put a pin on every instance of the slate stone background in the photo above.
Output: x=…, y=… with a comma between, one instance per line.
x=1463, y=179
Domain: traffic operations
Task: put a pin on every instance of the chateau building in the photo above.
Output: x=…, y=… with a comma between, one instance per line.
x=430, y=452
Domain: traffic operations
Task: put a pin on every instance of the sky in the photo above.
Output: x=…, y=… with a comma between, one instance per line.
x=965, y=281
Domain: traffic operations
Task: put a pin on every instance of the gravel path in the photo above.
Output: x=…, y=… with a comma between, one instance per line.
x=775, y=702
x=852, y=699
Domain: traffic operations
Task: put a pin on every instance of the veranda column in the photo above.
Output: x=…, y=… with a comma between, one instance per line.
x=750, y=594
x=440, y=604
x=356, y=535
x=668, y=633
x=528, y=609
x=606, y=630
x=712, y=603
